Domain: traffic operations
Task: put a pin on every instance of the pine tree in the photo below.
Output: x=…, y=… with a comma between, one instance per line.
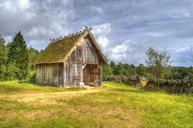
x=18, y=56
x=33, y=54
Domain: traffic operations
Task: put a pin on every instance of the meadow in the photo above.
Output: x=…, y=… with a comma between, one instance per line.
x=113, y=105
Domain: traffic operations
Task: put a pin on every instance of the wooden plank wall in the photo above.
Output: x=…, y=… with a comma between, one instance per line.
x=84, y=54
x=50, y=74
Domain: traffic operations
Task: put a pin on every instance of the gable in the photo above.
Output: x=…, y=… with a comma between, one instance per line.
x=84, y=53
x=98, y=50
x=89, y=52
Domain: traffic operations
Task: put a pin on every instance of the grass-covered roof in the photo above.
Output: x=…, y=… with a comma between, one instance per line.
x=57, y=50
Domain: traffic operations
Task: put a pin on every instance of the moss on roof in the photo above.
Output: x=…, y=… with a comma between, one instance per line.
x=59, y=49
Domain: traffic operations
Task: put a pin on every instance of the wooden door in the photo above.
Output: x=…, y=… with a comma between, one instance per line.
x=91, y=73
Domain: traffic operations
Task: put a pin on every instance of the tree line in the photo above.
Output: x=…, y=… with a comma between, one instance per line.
x=157, y=70
x=16, y=58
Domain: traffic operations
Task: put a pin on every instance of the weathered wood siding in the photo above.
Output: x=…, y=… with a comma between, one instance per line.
x=82, y=56
x=50, y=74
x=91, y=73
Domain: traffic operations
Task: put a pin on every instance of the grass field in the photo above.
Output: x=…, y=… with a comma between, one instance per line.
x=113, y=105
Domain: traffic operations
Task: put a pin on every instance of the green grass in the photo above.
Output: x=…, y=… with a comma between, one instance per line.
x=24, y=87
x=113, y=105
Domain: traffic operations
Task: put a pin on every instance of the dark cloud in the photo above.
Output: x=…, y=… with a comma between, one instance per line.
x=124, y=29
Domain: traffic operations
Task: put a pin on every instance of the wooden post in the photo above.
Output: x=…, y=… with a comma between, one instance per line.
x=64, y=74
x=101, y=77
x=82, y=73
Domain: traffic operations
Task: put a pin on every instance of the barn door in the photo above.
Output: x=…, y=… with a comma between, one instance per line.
x=87, y=73
x=91, y=74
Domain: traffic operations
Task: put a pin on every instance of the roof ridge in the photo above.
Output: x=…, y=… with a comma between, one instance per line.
x=71, y=35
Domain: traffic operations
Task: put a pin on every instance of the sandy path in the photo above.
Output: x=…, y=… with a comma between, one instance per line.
x=48, y=96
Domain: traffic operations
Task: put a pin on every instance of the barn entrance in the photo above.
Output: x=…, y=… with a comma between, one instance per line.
x=91, y=74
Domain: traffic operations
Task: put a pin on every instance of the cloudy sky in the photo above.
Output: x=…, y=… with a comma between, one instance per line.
x=124, y=29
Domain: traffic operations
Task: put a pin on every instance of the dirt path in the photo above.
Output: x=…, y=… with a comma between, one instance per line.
x=48, y=96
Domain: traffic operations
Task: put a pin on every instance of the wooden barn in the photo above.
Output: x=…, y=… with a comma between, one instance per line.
x=71, y=60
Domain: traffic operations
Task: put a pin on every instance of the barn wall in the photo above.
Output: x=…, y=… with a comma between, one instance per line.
x=74, y=67
x=50, y=74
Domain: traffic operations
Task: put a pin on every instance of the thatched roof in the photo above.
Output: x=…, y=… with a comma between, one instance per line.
x=58, y=49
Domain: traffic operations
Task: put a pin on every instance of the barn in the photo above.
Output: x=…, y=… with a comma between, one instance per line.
x=71, y=60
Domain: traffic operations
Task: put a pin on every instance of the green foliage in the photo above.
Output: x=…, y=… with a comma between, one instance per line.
x=33, y=54
x=18, y=56
x=141, y=70
x=119, y=69
x=112, y=66
x=157, y=63
x=11, y=72
x=181, y=73
x=3, y=58
x=106, y=70
x=122, y=69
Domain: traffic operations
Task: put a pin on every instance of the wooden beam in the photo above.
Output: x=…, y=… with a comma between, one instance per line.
x=101, y=77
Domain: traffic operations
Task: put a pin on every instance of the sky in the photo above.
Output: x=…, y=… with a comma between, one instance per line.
x=124, y=29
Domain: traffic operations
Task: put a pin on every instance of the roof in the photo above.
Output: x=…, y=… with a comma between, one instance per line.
x=58, y=49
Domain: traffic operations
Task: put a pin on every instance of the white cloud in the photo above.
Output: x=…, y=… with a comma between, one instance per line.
x=101, y=33
x=24, y=3
x=103, y=41
x=97, y=9
x=127, y=52
x=120, y=52
x=102, y=29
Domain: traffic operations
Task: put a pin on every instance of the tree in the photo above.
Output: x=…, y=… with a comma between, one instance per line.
x=141, y=70
x=181, y=73
x=18, y=56
x=132, y=69
x=119, y=69
x=157, y=63
x=106, y=70
x=33, y=54
x=3, y=58
x=112, y=65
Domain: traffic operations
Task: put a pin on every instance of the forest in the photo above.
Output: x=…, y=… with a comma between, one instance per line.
x=16, y=59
